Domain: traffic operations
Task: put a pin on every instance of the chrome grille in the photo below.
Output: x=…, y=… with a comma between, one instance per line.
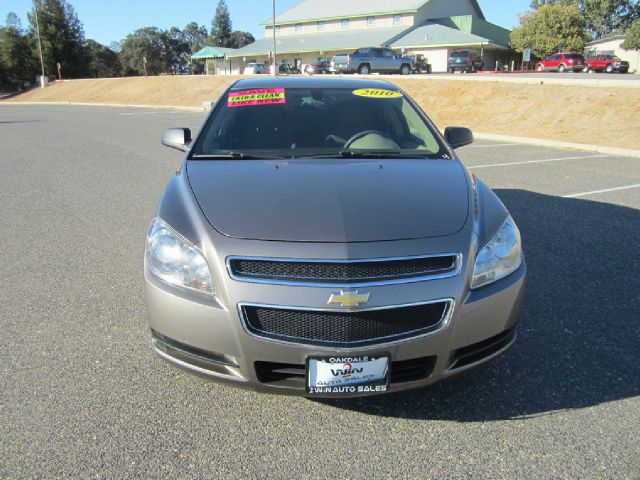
x=342, y=272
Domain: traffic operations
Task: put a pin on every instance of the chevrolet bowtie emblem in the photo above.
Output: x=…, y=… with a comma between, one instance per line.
x=348, y=299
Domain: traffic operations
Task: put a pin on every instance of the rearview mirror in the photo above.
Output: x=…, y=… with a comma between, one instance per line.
x=458, y=136
x=178, y=138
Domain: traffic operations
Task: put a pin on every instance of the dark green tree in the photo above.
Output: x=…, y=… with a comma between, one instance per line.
x=549, y=28
x=176, y=48
x=632, y=42
x=103, y=62
x=17, y=60
x=601, y=17
x=161, y=48
x=62, y=36
x=143, y=43
x=221, y=27
x=536, y=4
x=195, y=36
x=605, y=17
x=239, y=39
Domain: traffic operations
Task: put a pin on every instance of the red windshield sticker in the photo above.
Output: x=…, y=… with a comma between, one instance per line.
x=257, y=96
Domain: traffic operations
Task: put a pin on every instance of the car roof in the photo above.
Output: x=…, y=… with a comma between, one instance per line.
x=310, y=82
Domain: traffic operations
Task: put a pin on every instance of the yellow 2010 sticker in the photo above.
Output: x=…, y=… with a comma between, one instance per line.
x=377, y=93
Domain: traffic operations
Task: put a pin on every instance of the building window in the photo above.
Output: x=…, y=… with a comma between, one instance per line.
x=345, y=23
x=320, y=25
x=397, y=19
x=371, y=21
x=298, y=27
x=277, y=28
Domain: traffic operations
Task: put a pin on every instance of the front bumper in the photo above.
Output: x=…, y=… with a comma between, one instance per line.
x=209, y=339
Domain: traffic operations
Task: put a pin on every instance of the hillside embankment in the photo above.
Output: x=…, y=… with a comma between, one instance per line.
x=605, y=116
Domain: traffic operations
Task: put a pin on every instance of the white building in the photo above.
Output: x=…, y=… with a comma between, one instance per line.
x=320, y=29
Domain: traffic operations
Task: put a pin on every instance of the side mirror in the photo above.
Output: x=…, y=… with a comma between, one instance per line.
x=178, y=138
x=458, y=136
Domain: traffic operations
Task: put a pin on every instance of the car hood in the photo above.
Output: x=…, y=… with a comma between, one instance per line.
x=331, y=200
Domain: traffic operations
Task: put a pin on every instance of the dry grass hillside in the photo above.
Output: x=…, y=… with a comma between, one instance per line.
x=582, y=114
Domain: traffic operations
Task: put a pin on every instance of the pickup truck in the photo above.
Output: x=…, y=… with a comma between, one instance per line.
x=606, y=63
x=368, y=60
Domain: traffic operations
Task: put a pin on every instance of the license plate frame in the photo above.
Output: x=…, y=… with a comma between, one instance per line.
x=350, y=374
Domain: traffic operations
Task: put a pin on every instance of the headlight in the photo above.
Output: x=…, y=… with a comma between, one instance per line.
x=500, y=256
x=173, y=259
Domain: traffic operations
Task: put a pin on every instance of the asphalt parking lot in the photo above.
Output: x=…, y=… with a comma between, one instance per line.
x=81, y=394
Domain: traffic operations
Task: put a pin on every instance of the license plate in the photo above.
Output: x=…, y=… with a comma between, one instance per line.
x=348, y=374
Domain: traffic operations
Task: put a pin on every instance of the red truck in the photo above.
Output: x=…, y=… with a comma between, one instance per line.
x=606, y=63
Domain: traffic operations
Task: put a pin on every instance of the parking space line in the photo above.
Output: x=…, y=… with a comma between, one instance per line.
x=132, y=114
x=494, y=145
x=537, y=161
x=596, y=192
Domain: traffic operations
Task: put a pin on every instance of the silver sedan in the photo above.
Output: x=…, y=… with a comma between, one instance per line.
x=322, y=238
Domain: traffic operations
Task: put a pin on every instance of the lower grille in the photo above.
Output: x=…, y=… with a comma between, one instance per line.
x=272, y=372
x=412, y=370
x=191, y=355
x=473, y=353
x=338, y=328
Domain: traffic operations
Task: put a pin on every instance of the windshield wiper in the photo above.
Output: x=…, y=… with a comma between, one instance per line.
x=232, y=156
x=355, y=154
x=367, y=154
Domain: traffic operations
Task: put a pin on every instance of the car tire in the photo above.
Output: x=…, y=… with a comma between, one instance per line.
x=562, y=68
x=451, y=71
x=364, y=69
x=405, y=70
x=540, y=68
x=609, y=68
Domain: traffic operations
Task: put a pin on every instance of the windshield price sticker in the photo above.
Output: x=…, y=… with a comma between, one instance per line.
x=376, y=93
x=335, y=375
x=257, y=96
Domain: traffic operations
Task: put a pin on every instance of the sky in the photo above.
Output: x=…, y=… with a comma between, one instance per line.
x=111, y=20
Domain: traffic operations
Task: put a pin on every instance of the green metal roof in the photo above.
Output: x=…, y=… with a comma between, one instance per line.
x=212, y=52
x=477, y=26
x=433, y=34
x=326, y=41
x=310, y=10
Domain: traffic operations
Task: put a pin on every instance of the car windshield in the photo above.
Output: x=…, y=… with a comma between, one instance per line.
x=302, y=122
x=459, y=54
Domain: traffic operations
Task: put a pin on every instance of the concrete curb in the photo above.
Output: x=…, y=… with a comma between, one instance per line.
x=118, y=105
x=584, y=82
x=620, y=152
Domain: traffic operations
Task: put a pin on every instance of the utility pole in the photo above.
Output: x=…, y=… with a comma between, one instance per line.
x=35, y=5
x=273, y=27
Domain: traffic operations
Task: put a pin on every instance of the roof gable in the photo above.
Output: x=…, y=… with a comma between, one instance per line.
x=432, y=34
